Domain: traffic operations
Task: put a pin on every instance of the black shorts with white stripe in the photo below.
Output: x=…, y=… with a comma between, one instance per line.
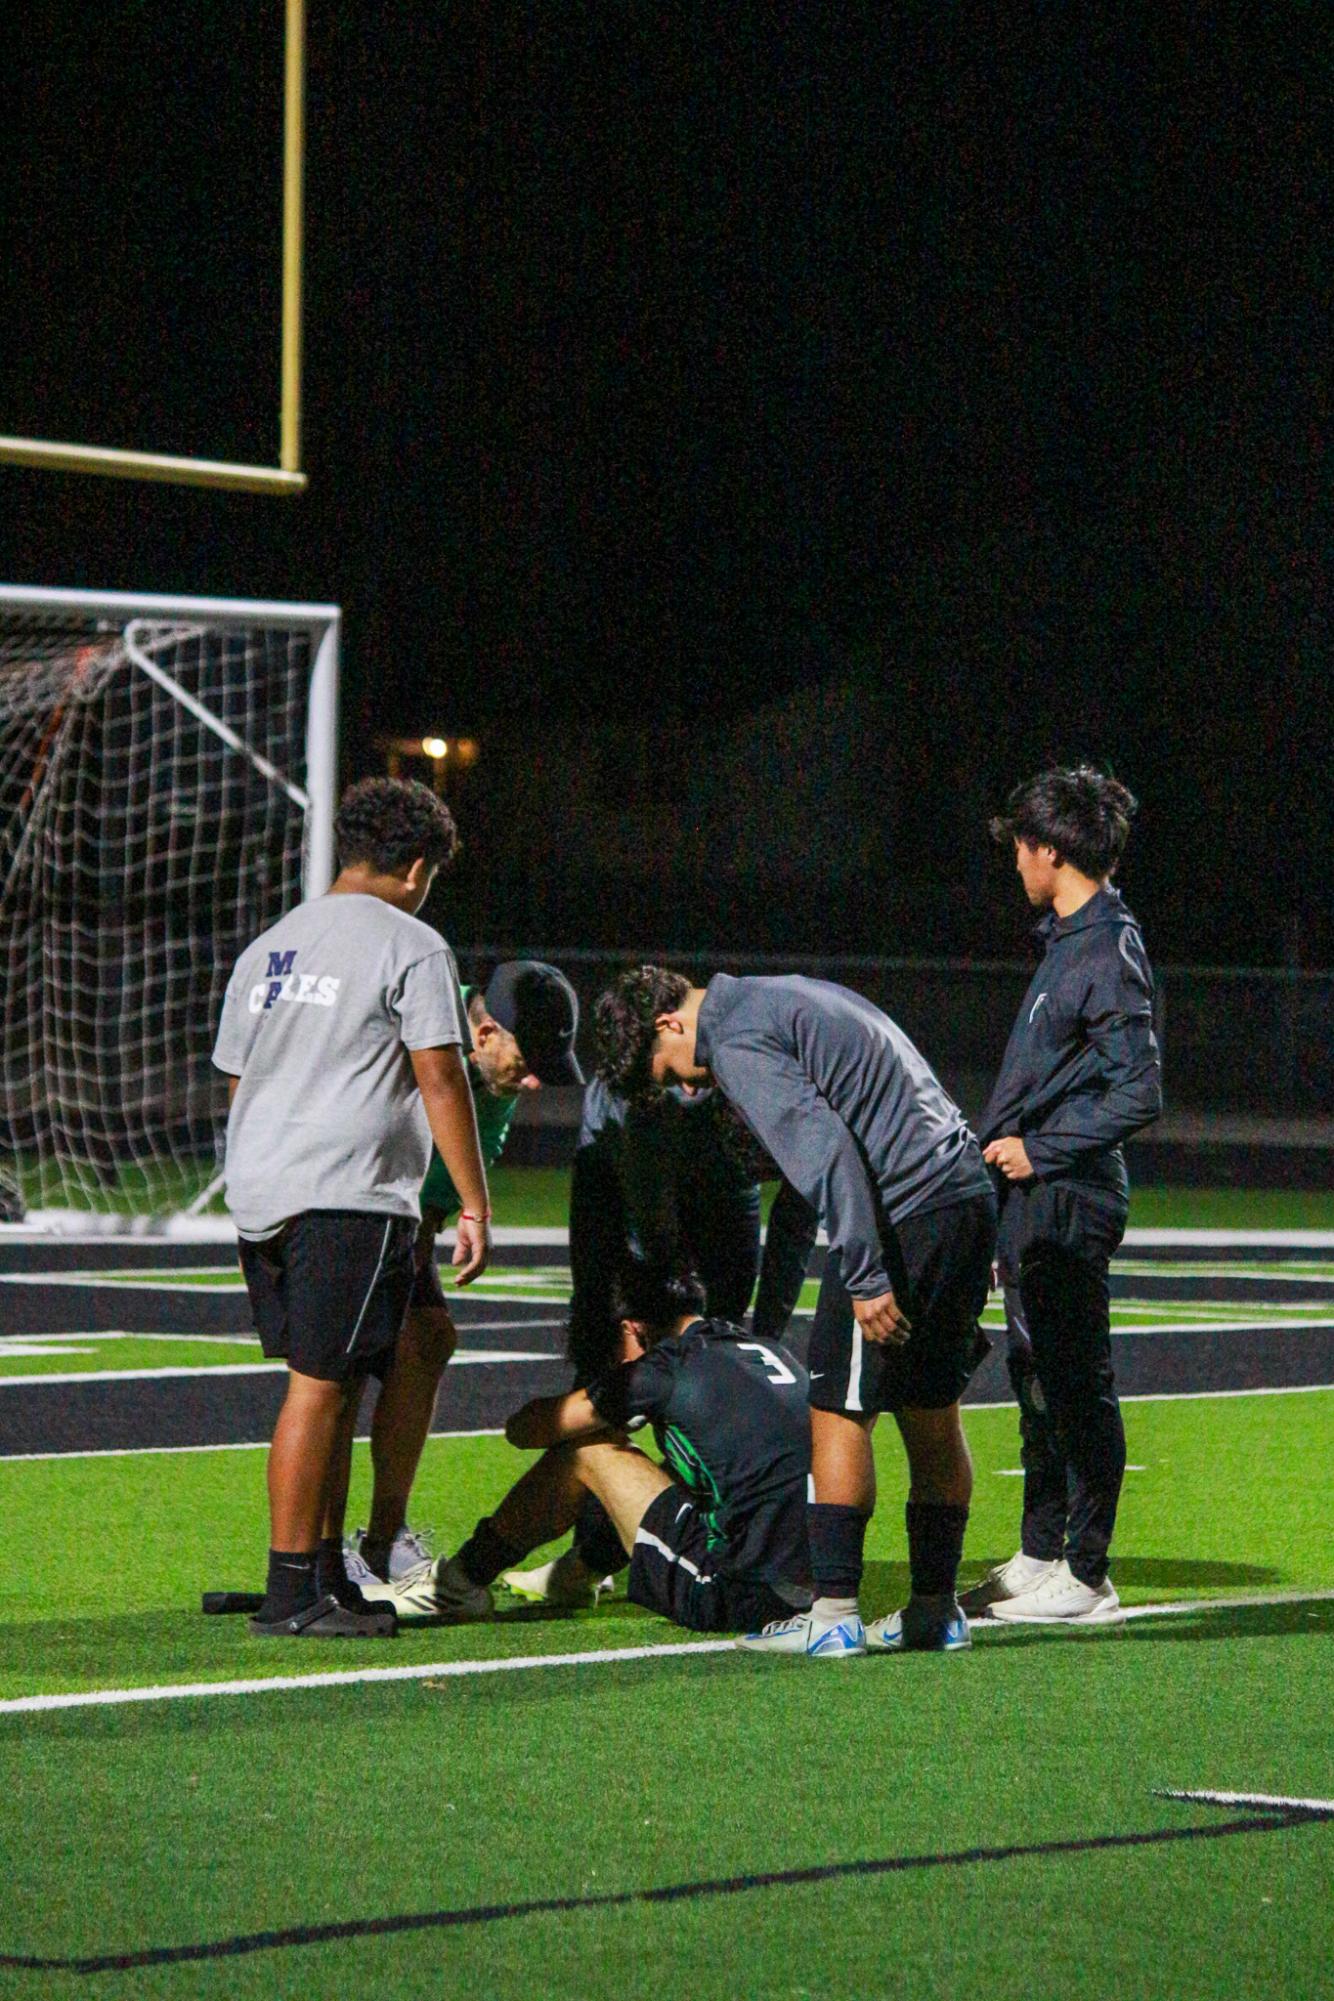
x=674, y=1571
x=939, y=1263
x=330, y=1290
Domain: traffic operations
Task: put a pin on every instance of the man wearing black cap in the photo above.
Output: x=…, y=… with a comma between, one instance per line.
x=523, y=1027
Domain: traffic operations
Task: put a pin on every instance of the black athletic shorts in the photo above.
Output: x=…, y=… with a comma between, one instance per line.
x=939, y=1264
x=673, y=1571
x=330, y=1290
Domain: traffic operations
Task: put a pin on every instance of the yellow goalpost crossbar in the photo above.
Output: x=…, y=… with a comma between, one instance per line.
x=286, y=476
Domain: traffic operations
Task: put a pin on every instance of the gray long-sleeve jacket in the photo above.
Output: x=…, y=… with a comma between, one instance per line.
x=1081, y=1070
x=848, y=1107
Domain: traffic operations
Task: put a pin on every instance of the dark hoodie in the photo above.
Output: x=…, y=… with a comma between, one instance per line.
x=1081, y=1070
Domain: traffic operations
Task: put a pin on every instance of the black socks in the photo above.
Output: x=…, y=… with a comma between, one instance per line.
x=331, y=1577
x=486, y=1554
x=837, y=1536
x=935, y=1546
x=292, y=1584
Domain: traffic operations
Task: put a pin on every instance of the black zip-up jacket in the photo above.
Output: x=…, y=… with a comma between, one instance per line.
x=1081, y=1070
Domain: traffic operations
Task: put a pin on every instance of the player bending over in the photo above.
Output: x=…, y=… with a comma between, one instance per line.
x=718, y=1542
x=858, y=1123
x=341, y=1034
x=521, y=1033
x=1081, y=1073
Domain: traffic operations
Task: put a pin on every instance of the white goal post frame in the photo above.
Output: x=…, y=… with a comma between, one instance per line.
x=322, y=620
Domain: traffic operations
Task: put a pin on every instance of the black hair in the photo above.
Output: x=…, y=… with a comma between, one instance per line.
x=624, y=1029
x=655, y=1295
x=389, y=822
x=1081, y=812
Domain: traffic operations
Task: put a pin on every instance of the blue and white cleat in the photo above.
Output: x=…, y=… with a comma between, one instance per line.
x=818, y=1639
x=924, y=1626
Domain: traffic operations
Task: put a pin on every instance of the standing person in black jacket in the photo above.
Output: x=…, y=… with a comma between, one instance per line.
x=859, y=1124
x=1081, y=1073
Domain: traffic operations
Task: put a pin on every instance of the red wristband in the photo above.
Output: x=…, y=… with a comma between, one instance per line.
x=467, y=1216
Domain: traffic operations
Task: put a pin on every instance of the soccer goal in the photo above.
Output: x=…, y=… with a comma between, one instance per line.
x=168, y=769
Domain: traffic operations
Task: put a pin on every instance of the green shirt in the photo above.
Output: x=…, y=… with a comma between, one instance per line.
x=494, y=1116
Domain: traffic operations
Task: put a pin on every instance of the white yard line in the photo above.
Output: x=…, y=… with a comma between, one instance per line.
x=105, y=1698
x=461, y=1358
x=1245, y=1799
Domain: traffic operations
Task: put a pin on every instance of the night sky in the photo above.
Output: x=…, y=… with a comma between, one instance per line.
x=770, y=431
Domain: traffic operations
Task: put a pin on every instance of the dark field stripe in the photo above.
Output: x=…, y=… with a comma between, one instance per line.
x=671, y=1893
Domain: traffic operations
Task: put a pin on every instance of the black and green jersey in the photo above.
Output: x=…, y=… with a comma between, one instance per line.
x=494, y=1118
x=731, y=1417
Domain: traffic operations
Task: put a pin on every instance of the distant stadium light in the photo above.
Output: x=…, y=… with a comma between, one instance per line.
x=434, y=746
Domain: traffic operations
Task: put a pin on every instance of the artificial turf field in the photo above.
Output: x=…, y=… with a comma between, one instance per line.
x=693, y=1819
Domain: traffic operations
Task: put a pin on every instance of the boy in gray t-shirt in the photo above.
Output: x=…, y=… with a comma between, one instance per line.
x=343, y=1035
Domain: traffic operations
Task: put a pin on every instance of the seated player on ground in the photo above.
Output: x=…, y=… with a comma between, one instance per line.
x=716, y=1543
x=675, y=1184
x=521, y=1033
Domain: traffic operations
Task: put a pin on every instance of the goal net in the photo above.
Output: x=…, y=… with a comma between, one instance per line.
x=167, y=777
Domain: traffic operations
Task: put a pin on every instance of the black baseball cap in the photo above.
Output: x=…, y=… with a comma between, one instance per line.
x=540, y=1008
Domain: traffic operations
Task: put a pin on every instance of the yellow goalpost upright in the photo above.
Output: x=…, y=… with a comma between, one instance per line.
x=286, y=476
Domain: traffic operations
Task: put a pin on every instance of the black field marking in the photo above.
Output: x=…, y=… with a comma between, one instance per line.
x=669, y=1893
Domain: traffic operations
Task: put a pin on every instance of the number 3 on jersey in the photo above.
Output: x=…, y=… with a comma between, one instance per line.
x=775, y=1368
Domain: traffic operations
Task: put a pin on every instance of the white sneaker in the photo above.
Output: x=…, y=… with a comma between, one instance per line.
x=409, y=1550
x=818, y=1639
x=1008, y=1580
x=1061, y=1600
x=564, y=1583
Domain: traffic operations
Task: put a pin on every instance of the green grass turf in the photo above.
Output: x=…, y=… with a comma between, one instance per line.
x=193, y=1820
x=170, y=1526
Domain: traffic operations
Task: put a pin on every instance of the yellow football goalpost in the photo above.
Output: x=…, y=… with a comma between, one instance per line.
x=286, y=476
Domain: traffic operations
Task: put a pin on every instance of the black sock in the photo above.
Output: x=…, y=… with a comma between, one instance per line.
x=375, y=1555
x=292, y=1583
x=331, y=1576
x=485, y=1554
x=935, y=1546
x=837, y=1536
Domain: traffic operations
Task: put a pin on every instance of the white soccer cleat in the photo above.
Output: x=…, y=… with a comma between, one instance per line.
x=1008, y=1580
x=818, y=1639
x=564, y=1583
x=410, y=1549
x=1061, y=1600
x=436, y=1591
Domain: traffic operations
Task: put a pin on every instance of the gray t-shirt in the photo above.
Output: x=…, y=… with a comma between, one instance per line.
x=318, y=1019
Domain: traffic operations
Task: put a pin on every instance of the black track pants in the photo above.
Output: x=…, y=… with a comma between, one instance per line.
x=1073, y=1440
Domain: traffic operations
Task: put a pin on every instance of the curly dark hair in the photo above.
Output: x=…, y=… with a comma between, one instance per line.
x=1082, y=812
x=388, y=822
x=623, y=1026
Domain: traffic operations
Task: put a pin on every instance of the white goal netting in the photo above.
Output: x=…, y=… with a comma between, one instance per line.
x=153, y=814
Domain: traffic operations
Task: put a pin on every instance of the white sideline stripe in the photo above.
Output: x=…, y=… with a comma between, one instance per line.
x=461, y=1358
x=1243, y=1799
x=229, y=1445
x=263, y=1685
x=103, y=1698
x=1182, y=1396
